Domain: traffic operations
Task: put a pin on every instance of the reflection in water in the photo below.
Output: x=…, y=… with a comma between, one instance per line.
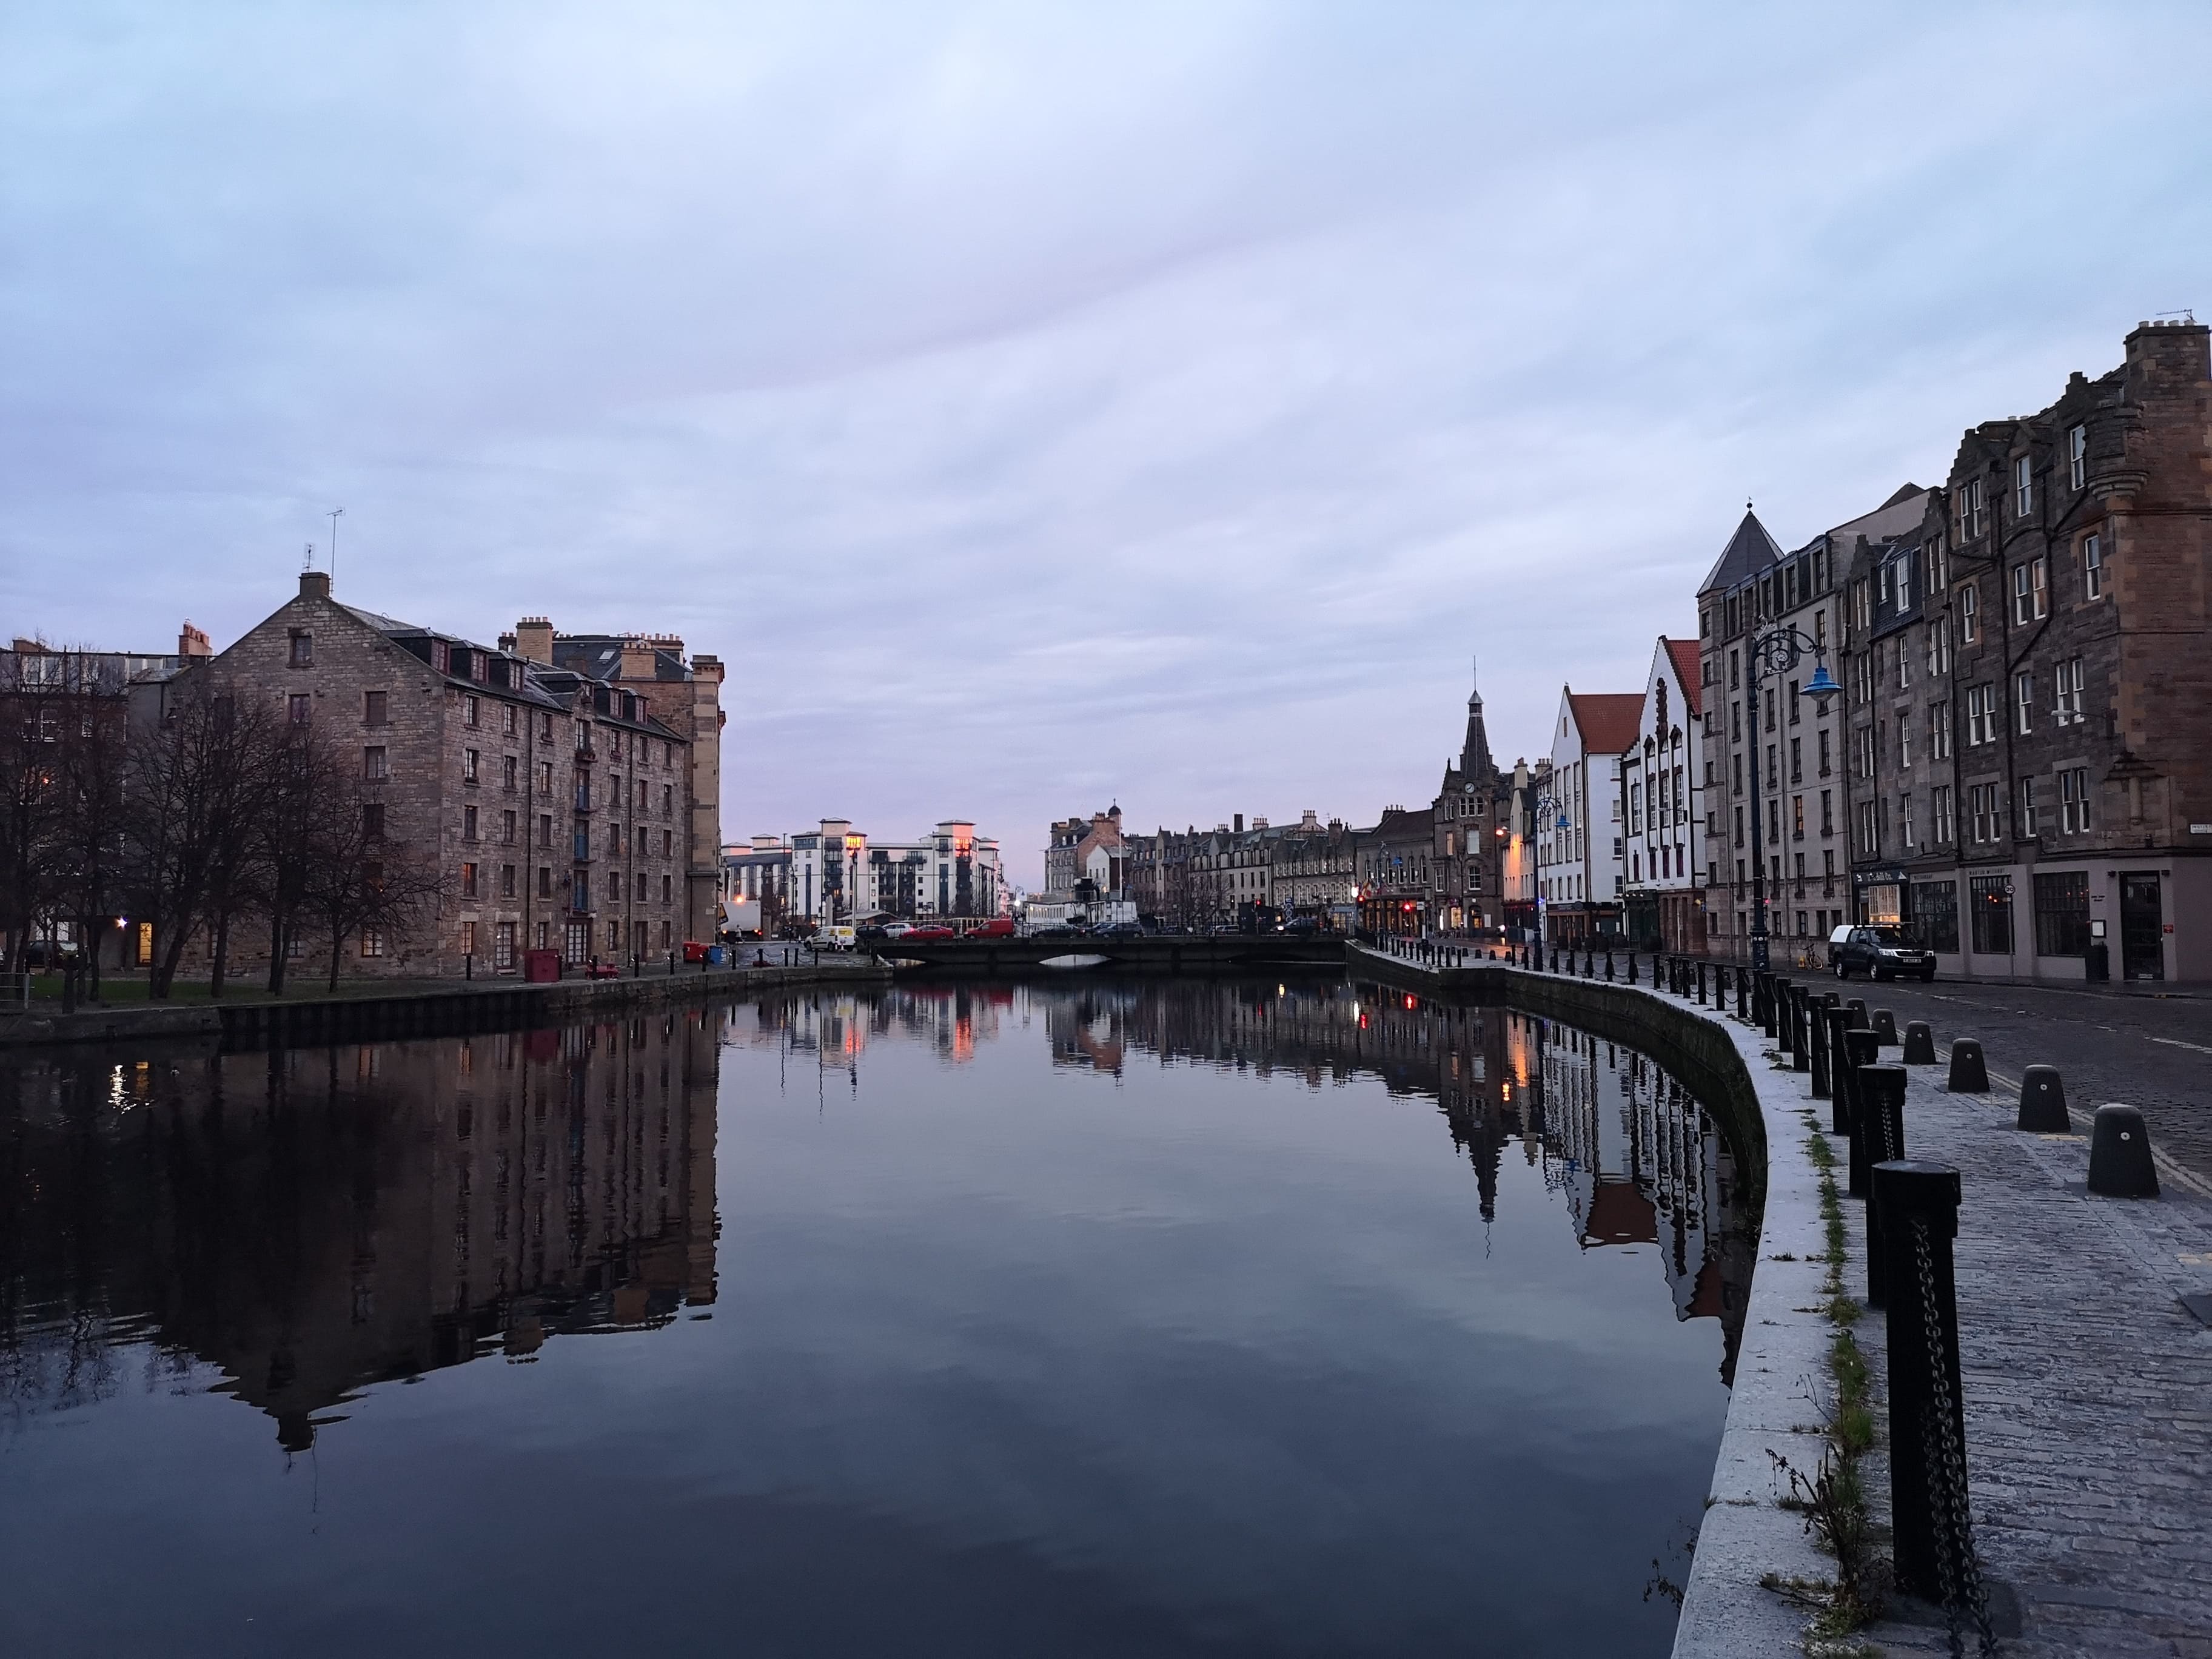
x=1104, y=1317
x=311, y=1220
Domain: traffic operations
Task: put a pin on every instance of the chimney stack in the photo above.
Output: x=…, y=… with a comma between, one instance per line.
x=1240, y=823
x=194, y=643
x=314, y=584
x=533, y=640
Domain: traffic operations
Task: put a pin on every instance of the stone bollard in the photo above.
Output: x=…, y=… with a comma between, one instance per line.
x=2120, y=1163
x=2042, y=1101
x=1928, y=1510
x=1970, y=1075
x=1834, y=1021
x=1608, y=967
x=1881, y=1114
x=1860, y=1049
x=1857, y=1009
x=1632, y=967
x=1919, y=1043
x=1885, y=1027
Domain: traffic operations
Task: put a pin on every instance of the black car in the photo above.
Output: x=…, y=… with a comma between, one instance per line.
x=1878, y=952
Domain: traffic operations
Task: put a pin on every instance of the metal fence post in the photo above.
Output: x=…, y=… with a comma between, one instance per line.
x=1882, y=1119
x=1929, y=1498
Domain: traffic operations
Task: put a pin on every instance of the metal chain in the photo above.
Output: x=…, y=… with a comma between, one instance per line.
x=1964, y=1593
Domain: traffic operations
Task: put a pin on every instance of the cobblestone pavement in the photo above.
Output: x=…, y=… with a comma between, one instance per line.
x=2154, y=1053
x=2088, y=1389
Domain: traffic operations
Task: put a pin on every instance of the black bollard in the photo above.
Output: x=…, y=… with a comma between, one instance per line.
x=1885, y=1027
x=1801, y=1024
x=1742, y=991
x=1969, y=1074
x=1763, y=999
x=1882, y=1115
x=1858, y=1013
x=1919, y=1043
x=1833, y=1019
x=1699, y=970
x=1816, y=1024
x=1632, y=967
x=1588, y=965
x=1859, y=1049
x=1785, y=1026
x=1927, y=1418
x=1609, y=965
x=2120, y=1163
x=2042, y=1101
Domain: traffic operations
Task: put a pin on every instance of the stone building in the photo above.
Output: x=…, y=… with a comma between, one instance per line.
x=1662, y=788
x=2030, y=686
x=554, y=806
x=1468, y=858
x=686, y=696
x=1315, y=872
x=1754, y=587
x=1072, y=847
x=1396, y=884
x=1517, y=873
x=835, y=874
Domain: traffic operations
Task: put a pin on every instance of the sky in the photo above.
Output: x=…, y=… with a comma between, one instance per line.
x=1038, y=407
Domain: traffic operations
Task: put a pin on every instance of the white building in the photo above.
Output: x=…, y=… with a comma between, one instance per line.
x=1663, y=794
x=835, y=873
x=1581, y=850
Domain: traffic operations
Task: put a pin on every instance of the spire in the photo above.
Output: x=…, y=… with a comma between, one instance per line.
x=1474, y=764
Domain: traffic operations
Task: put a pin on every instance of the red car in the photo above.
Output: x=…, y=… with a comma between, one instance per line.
x=925, y=935
x=996, y=927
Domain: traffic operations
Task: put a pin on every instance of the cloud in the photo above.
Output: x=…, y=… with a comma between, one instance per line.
x=1038, y=405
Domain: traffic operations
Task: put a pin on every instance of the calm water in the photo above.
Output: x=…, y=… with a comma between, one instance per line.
x=1132, y=1318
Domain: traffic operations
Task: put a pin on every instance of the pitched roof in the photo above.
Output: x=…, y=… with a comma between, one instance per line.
x=1607, y=719
x=1687, y=670
x=1749, y=551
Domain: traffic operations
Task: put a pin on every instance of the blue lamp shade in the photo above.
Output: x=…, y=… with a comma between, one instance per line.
x=1822, y=686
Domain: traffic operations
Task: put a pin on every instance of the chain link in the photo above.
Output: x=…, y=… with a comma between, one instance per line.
x=1964, y=1593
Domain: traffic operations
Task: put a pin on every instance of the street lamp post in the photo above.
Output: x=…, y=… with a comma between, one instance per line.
x=1778, y=648
x=1539, y=810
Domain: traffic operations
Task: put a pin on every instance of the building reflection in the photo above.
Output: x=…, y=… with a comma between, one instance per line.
x=313, y=1221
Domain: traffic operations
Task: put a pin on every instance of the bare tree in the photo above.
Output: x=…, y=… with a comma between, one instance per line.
x=310, y=798
x=89, y=839
x=30, y=805
x=361, y=880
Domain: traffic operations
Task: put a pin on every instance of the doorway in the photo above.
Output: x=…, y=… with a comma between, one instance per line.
x=2143, y=927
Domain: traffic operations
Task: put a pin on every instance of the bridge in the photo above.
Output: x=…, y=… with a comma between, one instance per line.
x=1158, y=953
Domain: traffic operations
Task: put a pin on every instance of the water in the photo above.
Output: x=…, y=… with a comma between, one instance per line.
x=1130, y=1318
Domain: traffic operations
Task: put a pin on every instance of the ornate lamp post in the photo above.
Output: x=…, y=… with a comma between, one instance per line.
x=1778, y=648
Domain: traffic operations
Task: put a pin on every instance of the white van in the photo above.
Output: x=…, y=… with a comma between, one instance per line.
x=836, y=938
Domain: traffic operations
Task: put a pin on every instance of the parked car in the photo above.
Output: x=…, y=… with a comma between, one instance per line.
x=1302, y=926
x=896, y=929
x=996, y=927
x=1119, y=930
x=1878, y=951
x=929, y=933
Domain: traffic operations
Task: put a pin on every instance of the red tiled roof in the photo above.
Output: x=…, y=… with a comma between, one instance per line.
x=1608, y=719
x=1688, y=671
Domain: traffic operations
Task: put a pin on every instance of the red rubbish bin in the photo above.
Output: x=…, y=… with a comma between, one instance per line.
x=541, y=967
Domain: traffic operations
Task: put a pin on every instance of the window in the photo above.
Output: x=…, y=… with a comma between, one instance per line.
x=1795, y=715
x=614, y=936
x=2023, y=702
x=667, y=888
x=2061, y=912
x=376, y=709
x=1935, y=907
x=1827, y=812
x=372, y=820
x=1967, y=602
x=469, y=765
x=507, y=881
x=1981, y=716
x=2093, y=568
x=468, y=824
x=506, y=828
x=2023, y=488
x=301, y=706
x=1904, y=667
x=2026, y=798
x=667, y=844
x=1796, y=760
x=545, y=777
x=470, y=714
x=1992, y=897
x=668, y=799
x=2069, y=679
x=1985, y=806
x=2077, y=458
x=1869, y=839
x=1970, y=509
x=1824, y=755
x=375, y=764
x=1736, y=722
x=545, y=881
x=303, y=649
x=468, y=881
x=1939, y=730
x=507, y=720
x=503, y=946
x=1941, y=820
x=545, y=829
x=1904, y=742
x=1797, y=818
x=468, y=939
x=2031, y=595
x=1904, y=821
x=507, y=768
x=2073, y=800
